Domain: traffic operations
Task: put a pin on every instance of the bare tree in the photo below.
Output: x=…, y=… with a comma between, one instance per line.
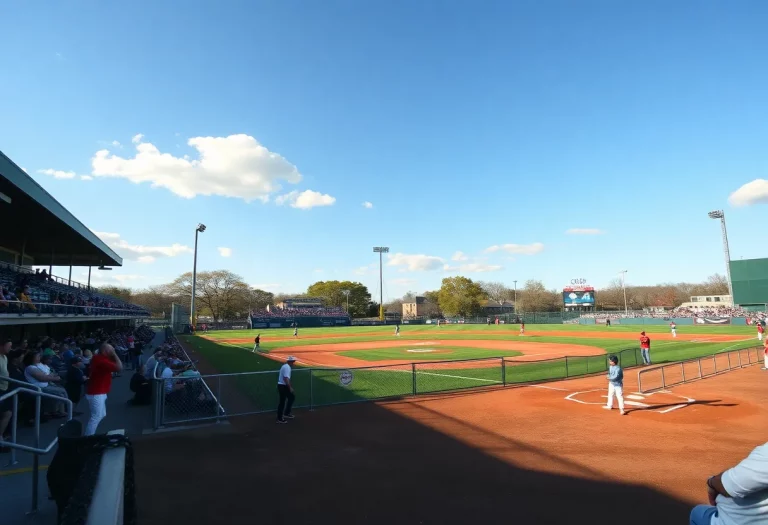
x=497, y=291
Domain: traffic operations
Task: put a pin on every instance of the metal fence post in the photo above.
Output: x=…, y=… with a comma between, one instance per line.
x=728, y=354
x=218, y=397
x=36, y=456
x=587, y=364
x=663, y=378
x=311, y=390
x=682, y=370
x=566, y=366
x=714, y=362
x=413, y=375
x=503, y=373
x=739, y=353
x=701, y=375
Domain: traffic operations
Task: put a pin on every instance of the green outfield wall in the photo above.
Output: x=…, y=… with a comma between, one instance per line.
x=749, y=279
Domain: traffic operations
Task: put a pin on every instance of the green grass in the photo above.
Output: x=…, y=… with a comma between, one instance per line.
x=431, y=374
x=445, y=353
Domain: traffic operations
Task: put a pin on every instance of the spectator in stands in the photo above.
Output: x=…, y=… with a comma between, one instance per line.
x=16, y=372
x=40, y=375
x=24, y=298
x=103, y=365
x=76, y=378
x=738, y=495
x=6, y=406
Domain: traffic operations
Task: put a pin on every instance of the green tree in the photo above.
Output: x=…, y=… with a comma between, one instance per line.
x=432, y=304
x=459, y=296
x=332, y=293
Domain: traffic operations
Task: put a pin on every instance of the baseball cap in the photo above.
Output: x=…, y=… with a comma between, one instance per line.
x=290, y=359
x=642, y=333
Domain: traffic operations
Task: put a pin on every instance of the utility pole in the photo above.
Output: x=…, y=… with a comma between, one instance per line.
x=192, y=319
x=718, y=214
x=624, y=287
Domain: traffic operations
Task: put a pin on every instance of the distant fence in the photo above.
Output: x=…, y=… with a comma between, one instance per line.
x=682, y=321
x=665, y=376
x=306, y=321
x=256, y=392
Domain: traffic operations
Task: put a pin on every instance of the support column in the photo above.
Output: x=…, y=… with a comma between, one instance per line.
x=89, y=278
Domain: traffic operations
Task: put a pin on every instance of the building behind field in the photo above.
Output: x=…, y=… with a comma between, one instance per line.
x=300, y=302
x=414, y=308
x=749, y=279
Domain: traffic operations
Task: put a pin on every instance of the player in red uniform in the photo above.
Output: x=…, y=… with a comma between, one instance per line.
x=760, y=331
x=645, y=348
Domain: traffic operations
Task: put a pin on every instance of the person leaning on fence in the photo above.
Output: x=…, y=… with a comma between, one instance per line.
x=615, y=384
x=285, y=391
x=739, y=495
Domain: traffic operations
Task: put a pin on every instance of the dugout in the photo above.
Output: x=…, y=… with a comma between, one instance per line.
x=749, y=280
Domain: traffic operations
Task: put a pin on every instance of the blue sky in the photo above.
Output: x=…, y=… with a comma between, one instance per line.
x=465, y=125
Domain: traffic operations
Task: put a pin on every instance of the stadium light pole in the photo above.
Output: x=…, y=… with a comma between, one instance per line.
x=381, y=250
x=515, y=302
x=346, y=294
x=624, y=288
x=718, y=214
x=200, y=229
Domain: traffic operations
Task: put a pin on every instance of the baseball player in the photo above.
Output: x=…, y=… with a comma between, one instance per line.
x=295, y=330
x=645, y=348
x=522, y=327
x=397, y=330
x=256, y=343
x=765, y=355
x=760, y=331
x=673, y=327
x=615, y=384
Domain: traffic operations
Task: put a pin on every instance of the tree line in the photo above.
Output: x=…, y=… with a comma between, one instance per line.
x=224, y=295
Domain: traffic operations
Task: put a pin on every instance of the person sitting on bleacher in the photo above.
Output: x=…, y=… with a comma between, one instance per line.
x=40, y=375
x=24, y=298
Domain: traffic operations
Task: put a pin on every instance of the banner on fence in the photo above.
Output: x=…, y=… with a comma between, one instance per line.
x=301, y=322
x=713, y=320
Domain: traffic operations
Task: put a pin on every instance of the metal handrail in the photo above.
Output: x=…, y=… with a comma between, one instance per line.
x=21, y=269
x=87, y=310
x=37, y=449
x=698, y=360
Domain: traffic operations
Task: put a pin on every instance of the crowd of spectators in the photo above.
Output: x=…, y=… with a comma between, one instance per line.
x=57, y=367
x=300, y=312
x=681, y=312
x=25, y=292
x=170, y=363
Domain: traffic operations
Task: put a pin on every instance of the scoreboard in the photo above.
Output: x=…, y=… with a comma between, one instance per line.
x=579, y=296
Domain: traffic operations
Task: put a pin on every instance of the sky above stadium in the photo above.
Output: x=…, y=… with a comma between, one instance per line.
x=498, y=140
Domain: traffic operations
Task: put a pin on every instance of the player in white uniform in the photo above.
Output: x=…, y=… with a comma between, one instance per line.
x=673, y=327
x=397, y=330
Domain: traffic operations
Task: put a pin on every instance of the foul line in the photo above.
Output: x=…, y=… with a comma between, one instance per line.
x=454, y=377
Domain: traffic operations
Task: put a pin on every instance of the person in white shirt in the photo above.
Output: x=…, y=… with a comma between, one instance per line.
x=285, y=391
x=738, y=496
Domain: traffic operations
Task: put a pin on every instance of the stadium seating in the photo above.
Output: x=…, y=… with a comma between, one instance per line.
x=43, y=294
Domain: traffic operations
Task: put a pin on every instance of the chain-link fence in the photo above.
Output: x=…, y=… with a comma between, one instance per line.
x=213, y=397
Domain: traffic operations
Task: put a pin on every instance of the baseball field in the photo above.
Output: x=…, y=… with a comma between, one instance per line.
x=504, y=427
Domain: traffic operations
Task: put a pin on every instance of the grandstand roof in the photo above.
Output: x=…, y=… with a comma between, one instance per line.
x=42, y=227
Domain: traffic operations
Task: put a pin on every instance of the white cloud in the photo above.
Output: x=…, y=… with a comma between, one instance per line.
x=116, y=144
x=225, y=252
x=517, y=249
x=403, y=281
x=58, y=174
x=305, y=200
x=755, y=192
x=318, y=270
x=86, y=177
x=368, y=205
x=365, y=270
x=235, y=166
x=584, y=231
x=415, y=263
x=269, y=286
x=473, y=268
x=459, y=256
x=143, y=254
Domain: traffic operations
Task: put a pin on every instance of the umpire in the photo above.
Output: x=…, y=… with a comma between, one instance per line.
x=285, y=391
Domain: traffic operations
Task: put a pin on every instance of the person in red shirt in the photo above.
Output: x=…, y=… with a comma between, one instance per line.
x=522, y=328
x=102, y=366
x=760, y=331
x=765, y=355
x=645, y=348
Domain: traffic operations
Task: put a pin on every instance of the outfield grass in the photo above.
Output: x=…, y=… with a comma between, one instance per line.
x=429, y=373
